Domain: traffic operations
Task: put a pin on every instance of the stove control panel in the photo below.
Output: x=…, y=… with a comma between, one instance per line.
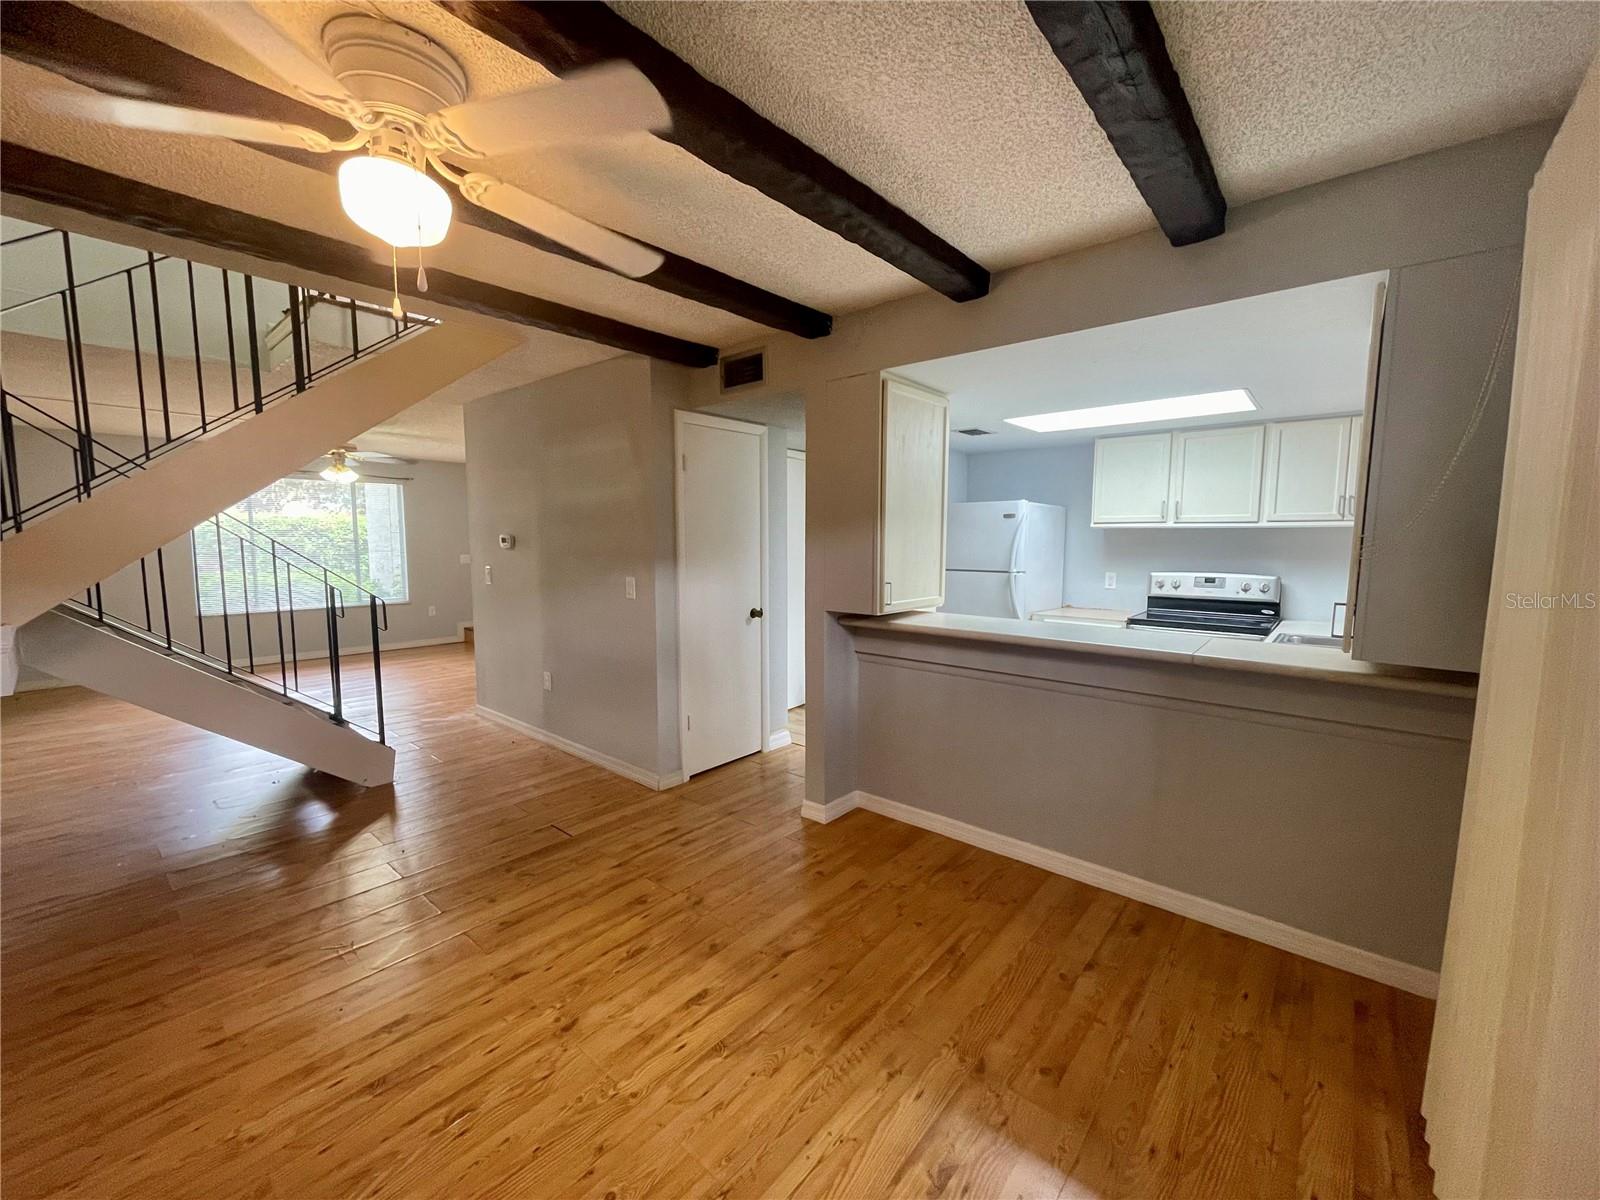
x=1214, y=584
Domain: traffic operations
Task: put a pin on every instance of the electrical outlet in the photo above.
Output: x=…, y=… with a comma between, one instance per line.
x=629, y=588
x=433, y=610
x=466, y=560
x=1111, y=579
x=547, y=681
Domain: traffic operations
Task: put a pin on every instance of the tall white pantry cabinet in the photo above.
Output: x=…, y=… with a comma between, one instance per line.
x=878, y=457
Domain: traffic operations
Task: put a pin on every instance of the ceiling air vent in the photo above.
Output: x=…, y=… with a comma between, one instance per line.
x=976, y=432
x=741, y=370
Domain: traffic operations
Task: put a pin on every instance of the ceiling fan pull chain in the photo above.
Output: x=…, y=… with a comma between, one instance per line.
x=394, y=262
x=422, y=272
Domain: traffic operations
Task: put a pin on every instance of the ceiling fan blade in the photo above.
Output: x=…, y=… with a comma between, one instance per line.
x=609, y=249
x=168, y=118
x=601, y=101
x=381, y=457
x=247, y=27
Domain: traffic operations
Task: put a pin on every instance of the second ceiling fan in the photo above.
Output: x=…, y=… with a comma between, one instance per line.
x=405, y=98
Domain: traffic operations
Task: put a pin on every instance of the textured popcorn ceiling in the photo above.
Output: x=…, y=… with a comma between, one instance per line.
x=956, y=111
x=1288, y=94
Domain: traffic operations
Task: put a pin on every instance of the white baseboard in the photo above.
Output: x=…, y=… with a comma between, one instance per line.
x=832, y=810
x=616, y=766
x=777, y=741
x=1405, y=976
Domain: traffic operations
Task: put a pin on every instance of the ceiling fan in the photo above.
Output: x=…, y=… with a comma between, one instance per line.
x=339, y=469
x=405, y=98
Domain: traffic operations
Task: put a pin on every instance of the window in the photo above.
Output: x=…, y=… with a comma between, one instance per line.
x=356, y=530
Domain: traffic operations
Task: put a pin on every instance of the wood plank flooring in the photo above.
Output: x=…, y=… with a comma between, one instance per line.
x=513, y=974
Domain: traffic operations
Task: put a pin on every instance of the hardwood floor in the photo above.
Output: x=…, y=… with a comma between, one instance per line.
x=513, y=974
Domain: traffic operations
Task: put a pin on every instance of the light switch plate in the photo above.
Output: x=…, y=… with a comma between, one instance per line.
x=466, y=560
x=630, y=589
x=1111, y=579
x=547, y=681
x=433, y=610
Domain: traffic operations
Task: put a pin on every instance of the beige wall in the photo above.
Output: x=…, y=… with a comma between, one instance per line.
x=1513, y=1091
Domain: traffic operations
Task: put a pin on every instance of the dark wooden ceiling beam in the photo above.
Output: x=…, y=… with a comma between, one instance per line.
x=722, y=131
x=1115, y=53
x=78, y=45
x=51, y=180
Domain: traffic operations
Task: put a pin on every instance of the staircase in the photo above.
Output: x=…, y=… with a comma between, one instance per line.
x=140, y=399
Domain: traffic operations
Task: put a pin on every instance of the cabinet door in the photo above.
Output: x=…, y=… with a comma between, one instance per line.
x=1438, y=442
x=1131, y=479
x=1217, y=476
x=1352, y=474
x=911, y=528
x=1308, y=471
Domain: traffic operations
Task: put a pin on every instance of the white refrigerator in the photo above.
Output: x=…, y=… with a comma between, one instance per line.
x=1005, y=558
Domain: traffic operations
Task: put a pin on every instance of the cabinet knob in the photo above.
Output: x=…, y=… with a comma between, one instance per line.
x=756, y=614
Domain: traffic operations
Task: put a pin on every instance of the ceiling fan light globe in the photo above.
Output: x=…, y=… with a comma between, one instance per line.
x=340, y=473
x=393, y=201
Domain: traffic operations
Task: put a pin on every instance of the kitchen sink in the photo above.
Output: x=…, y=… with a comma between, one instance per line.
x=1306, y=639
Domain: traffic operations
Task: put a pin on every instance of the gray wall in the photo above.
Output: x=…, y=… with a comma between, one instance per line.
x=578, y=468
x=1314, y=563
x=436, y=538
x=1331, y=808
x=1455, y=201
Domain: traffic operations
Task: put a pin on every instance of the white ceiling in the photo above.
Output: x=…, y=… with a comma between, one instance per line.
x=956, y=111
x=1300, y=353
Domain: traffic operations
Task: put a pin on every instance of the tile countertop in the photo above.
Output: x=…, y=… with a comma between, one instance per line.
x=1327, y=663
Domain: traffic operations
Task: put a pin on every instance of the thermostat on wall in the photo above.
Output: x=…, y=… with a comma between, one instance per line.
x=507, y=541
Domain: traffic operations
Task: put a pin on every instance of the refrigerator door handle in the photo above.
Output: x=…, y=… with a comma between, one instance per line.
x=1018, y=546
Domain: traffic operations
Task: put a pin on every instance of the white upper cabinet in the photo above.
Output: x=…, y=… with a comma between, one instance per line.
x=915, y=436
x=1308, y=471
x=1216, y=476
x=1131, y=479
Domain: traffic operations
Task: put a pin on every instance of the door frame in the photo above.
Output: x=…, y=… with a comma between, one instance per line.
x=791, y=454
x=680, y=418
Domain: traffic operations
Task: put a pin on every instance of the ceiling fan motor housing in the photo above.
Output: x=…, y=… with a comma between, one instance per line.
x=392, y=69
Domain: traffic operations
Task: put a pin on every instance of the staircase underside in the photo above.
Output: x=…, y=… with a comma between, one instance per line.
x=77, y=649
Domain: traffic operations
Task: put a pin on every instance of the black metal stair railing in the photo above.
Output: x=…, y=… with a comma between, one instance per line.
x=241, y=603
x=258, y=610
x=172, y=349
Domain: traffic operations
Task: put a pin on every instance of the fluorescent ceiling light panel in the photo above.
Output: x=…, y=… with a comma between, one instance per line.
x=1172, y=408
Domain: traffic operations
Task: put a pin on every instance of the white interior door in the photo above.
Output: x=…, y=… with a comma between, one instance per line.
x=721, y=499
x=796, y=546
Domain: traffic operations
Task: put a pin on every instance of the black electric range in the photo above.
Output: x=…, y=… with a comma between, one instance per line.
x=1243, y=606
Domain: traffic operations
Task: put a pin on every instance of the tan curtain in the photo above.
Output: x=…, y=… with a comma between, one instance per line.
x=1513, y=1092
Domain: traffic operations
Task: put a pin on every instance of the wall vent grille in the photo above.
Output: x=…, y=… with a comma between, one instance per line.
x=741, y=370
